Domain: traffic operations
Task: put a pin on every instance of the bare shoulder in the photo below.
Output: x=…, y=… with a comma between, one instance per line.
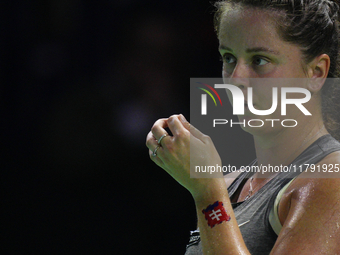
x=319, y=184
x=309, y=214
x=325, y=171
x=312, y=186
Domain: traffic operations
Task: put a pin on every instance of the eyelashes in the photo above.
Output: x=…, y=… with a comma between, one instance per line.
x=259, y=64
x=256, y=60
x=228, y=58
x=262, y=61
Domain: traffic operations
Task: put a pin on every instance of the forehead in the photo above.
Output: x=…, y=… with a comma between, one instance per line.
x=248, y=27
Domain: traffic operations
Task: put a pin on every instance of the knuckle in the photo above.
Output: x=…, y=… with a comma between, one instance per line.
x=172, y=117
x=180, y=135
x=207, y=138
x=154, y=127
x=147, y=142
x=148, y=139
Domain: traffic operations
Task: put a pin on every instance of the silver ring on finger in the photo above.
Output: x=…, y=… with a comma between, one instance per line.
x=160, y=139
x=154, y=153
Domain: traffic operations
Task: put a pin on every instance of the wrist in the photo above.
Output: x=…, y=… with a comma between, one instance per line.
x=214, y=189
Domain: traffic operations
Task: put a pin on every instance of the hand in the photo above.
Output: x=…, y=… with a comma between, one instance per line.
x=187, y=148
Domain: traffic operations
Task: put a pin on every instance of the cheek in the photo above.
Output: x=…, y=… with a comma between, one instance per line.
x=225, y=73
x=224, y=76
x=263, y=97
x=230, y=97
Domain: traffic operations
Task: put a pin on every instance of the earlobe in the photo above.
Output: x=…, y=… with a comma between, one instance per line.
x=316, y=84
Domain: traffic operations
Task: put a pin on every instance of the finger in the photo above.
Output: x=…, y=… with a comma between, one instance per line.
x=158, y=129
x=151, y=141
x=154, y=155
x=155, y=149
x=175, y=125
x=194, y=131
x=184, y=121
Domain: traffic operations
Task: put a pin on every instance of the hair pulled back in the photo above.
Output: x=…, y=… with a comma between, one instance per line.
x=314, y=26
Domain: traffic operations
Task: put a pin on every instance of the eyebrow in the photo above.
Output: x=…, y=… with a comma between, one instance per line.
x=252, y=50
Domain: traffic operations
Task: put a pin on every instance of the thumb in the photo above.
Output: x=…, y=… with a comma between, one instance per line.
x=184, y=121
x=194, y=131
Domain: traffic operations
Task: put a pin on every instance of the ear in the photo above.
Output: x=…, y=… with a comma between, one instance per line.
x=318, y=71
x=319, y=67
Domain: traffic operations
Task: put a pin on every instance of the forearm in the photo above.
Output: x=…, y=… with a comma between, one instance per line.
x=224, y=238
x=175, y=154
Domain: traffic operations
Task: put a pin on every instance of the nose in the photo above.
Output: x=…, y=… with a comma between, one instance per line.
x=241, y=75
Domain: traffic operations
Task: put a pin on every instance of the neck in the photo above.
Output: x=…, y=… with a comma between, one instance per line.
x=283, y=147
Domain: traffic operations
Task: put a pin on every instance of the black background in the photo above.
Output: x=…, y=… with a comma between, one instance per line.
x=83, y=82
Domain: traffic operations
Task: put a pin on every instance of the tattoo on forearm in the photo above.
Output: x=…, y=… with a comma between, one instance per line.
x=215, y=214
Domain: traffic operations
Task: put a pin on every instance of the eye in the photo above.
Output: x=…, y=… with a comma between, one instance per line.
x=229, y=59
x=260, y=61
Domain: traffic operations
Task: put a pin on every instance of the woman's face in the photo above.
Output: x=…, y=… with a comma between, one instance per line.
x=251, y=48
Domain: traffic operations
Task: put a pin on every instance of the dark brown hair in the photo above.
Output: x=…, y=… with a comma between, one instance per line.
x=313, y=25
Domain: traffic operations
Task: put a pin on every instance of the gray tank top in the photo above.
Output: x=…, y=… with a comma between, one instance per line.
x=252, y=215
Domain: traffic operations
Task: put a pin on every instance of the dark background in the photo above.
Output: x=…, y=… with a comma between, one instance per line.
x=82, y=84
